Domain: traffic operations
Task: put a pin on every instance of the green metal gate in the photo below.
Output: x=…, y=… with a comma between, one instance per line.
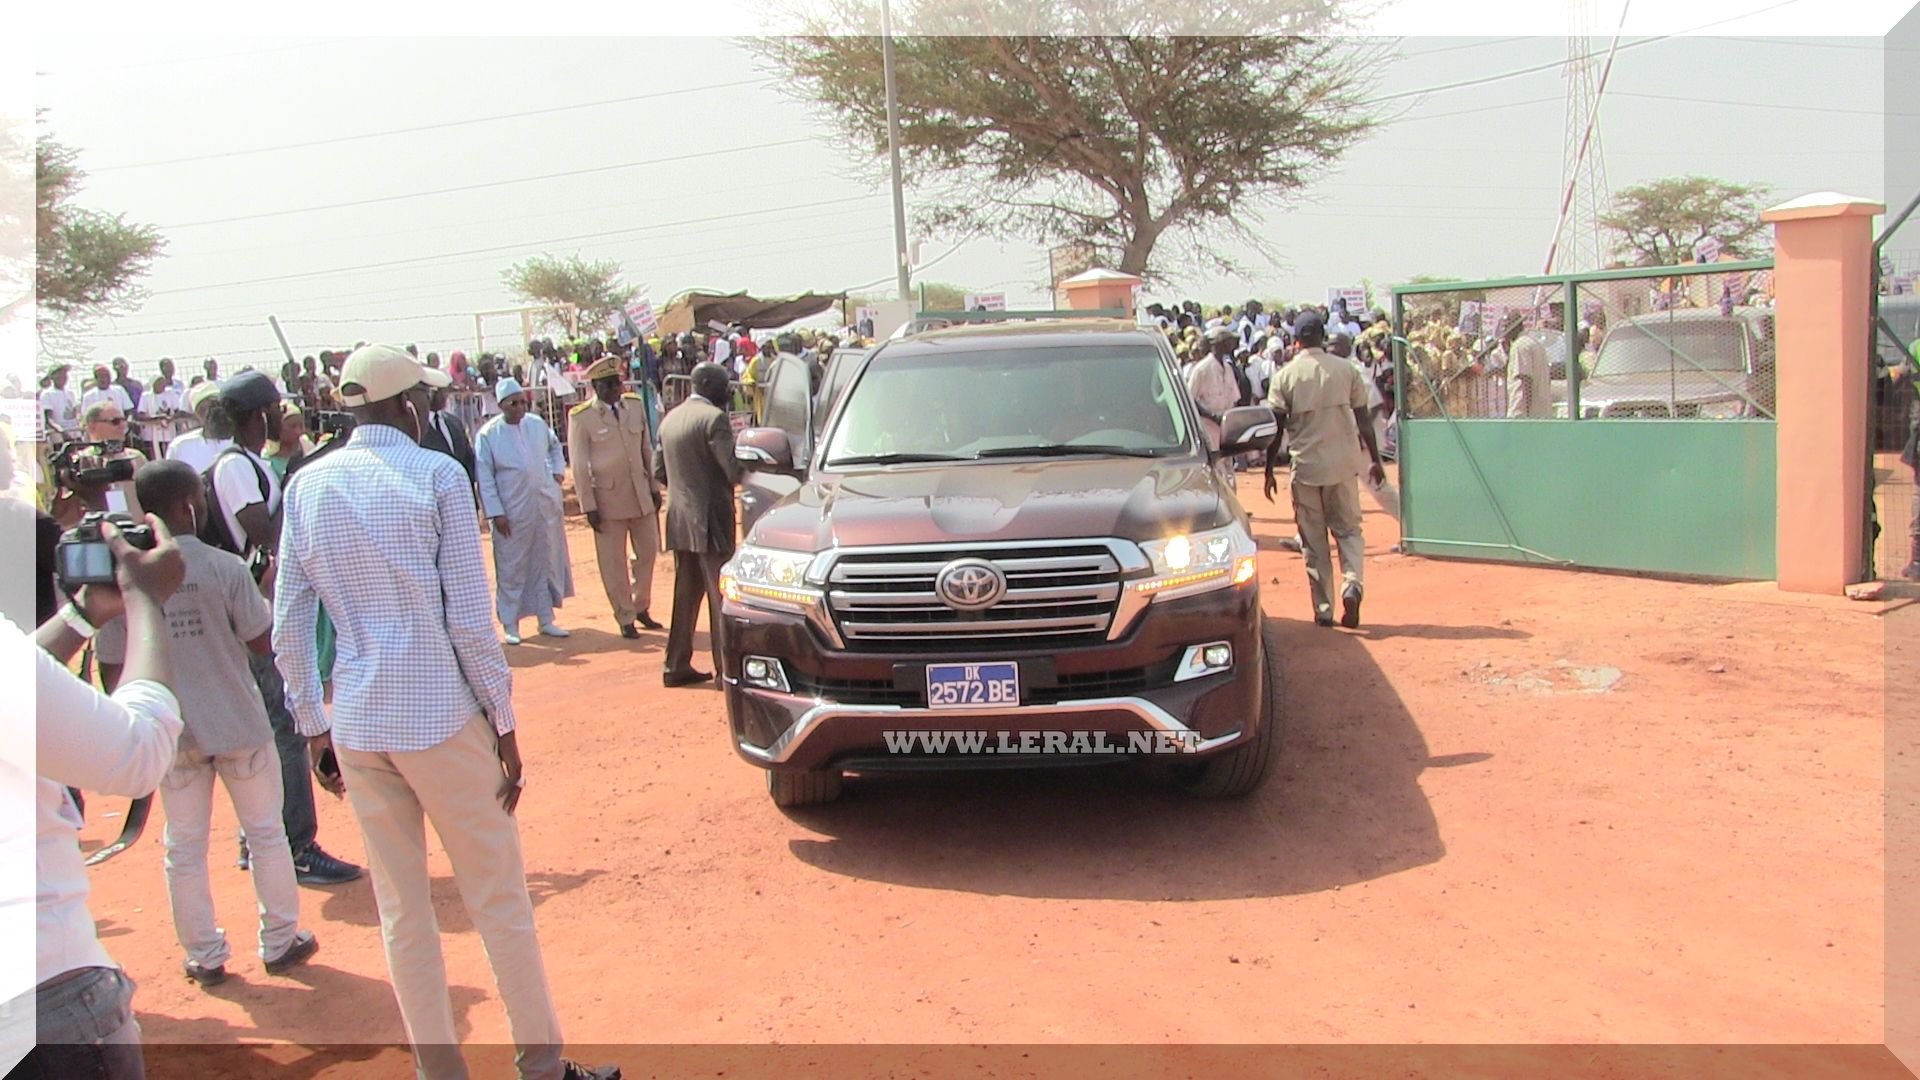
x=1649, y=444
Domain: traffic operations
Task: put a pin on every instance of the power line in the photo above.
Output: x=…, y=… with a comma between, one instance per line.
x=503, y=247
x=294, y=318
x=1805, y=43
x=336, y=140
x=1481, y=109
x=223, y=309
x=1563, y=61
x=489, y=184
x=1760, y=104
x=1465, y=45
x=470, y=223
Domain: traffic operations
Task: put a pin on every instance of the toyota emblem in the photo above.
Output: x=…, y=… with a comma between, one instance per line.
x=970, y=584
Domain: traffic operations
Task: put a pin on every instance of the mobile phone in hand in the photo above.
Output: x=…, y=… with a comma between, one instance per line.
x=329, y=766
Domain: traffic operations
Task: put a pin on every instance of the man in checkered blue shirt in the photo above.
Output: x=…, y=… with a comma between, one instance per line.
x=382, y=532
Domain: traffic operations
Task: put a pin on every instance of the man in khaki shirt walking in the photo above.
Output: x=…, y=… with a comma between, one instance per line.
x=611, y=447
x=1322, y=398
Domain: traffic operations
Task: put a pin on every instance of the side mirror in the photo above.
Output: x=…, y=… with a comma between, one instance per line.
x=1249, y=427
x=767, y=450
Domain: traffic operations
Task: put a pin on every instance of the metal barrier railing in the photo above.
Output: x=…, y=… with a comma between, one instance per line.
x=1676, y=343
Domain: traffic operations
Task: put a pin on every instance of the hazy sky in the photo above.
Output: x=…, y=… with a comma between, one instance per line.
x=1466, y=183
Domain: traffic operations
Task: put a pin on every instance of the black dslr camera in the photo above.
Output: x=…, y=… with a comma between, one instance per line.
x=339, y=425
x=82, y=556
x=99, y=470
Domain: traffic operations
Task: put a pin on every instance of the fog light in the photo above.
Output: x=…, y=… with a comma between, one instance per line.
x=764, y=672
x=1209, y=659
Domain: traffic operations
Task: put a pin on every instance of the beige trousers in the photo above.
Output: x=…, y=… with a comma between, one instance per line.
x=1318, y=510
x=632, y=593
x=456, y=786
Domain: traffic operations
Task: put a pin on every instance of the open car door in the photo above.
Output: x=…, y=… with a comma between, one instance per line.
x=790, y=408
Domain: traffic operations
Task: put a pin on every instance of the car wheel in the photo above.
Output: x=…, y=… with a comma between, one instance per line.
x=1241, y=770
x=810, y=788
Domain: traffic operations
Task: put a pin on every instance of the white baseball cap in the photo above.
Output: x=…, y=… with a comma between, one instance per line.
x=384, y=371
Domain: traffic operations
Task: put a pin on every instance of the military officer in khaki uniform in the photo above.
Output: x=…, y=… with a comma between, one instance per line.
x=612, y=450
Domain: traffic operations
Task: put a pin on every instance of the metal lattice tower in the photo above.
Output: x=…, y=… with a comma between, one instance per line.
x=1582, y=244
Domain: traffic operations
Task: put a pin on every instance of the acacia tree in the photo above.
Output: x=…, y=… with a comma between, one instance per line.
x=1063, y=135
x=1658, y=223
x=594, y=288
x=88, y=262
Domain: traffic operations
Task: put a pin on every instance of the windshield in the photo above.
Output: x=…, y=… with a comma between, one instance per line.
x=946, y=405
x=1645, y=348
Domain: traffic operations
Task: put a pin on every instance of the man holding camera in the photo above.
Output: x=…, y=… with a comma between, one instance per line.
x=120, y=745
x=96, y=475
x=218, y=618
x=247, y=497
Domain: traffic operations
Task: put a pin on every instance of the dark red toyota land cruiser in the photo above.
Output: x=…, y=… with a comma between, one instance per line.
x=1003, y=545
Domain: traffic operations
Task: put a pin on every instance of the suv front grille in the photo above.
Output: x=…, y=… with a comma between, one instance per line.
x=883, y=691
x=1055, y=596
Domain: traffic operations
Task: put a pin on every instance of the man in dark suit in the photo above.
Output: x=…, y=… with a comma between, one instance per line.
x=696, y=444
x=444, y=432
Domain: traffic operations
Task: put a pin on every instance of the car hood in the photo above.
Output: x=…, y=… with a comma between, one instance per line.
x=1689, y=385
x=1058, y=498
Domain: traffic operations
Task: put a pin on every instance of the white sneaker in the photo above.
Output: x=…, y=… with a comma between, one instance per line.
x=551, y=630
x=512, y=634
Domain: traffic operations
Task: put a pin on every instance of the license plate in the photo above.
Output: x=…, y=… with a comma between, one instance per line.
x=973, y=686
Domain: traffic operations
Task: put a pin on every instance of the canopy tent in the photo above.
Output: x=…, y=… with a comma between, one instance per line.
x=695, y=310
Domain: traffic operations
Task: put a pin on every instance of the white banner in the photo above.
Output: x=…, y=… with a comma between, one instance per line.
x=1354, y=295
x=991, y=301
x=1707, y=250
x=641, y=313
x=23, y=417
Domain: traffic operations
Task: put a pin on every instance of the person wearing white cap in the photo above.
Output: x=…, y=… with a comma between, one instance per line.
x=382, y=532
x=519, y=467
x=202, y=446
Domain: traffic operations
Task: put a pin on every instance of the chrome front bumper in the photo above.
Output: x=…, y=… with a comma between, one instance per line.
x=819, y=720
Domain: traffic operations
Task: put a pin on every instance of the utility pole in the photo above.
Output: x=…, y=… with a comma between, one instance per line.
x=893, y=149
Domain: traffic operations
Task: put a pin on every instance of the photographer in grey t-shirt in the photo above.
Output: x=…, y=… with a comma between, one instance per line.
x=214, y=620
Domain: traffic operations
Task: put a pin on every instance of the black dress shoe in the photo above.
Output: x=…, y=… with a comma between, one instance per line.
x=646, y=620
x=1350, y=608
x=1323, y=620
x=627, y=631
x=684, y=678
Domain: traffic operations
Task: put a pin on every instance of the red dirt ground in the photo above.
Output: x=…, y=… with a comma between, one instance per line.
x=1520, y=806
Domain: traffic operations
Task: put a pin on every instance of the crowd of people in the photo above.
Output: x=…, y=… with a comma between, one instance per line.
x=317, y=612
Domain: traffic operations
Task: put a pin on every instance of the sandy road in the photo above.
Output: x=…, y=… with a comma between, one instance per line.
x=1520, y=806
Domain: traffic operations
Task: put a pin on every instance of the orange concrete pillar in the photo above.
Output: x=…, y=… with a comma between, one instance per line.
x=1097, y=289
x=1823, y=251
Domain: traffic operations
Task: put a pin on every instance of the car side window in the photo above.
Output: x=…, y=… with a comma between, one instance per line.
x=789, y=401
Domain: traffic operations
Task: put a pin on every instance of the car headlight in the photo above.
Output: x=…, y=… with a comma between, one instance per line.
x=769, y=577
x=1190, y=563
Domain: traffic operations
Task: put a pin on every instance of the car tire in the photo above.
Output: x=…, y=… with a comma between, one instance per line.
x=813, y=787
x=1242, y=769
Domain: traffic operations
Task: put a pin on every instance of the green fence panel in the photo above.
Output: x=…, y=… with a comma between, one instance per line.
x=1659, y=496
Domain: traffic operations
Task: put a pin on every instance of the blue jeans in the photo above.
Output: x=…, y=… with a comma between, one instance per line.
x=83, y=1028
x=296, y=782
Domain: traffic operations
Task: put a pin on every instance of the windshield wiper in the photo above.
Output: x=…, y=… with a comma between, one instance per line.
x=1065, y=450
x=892, y=459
